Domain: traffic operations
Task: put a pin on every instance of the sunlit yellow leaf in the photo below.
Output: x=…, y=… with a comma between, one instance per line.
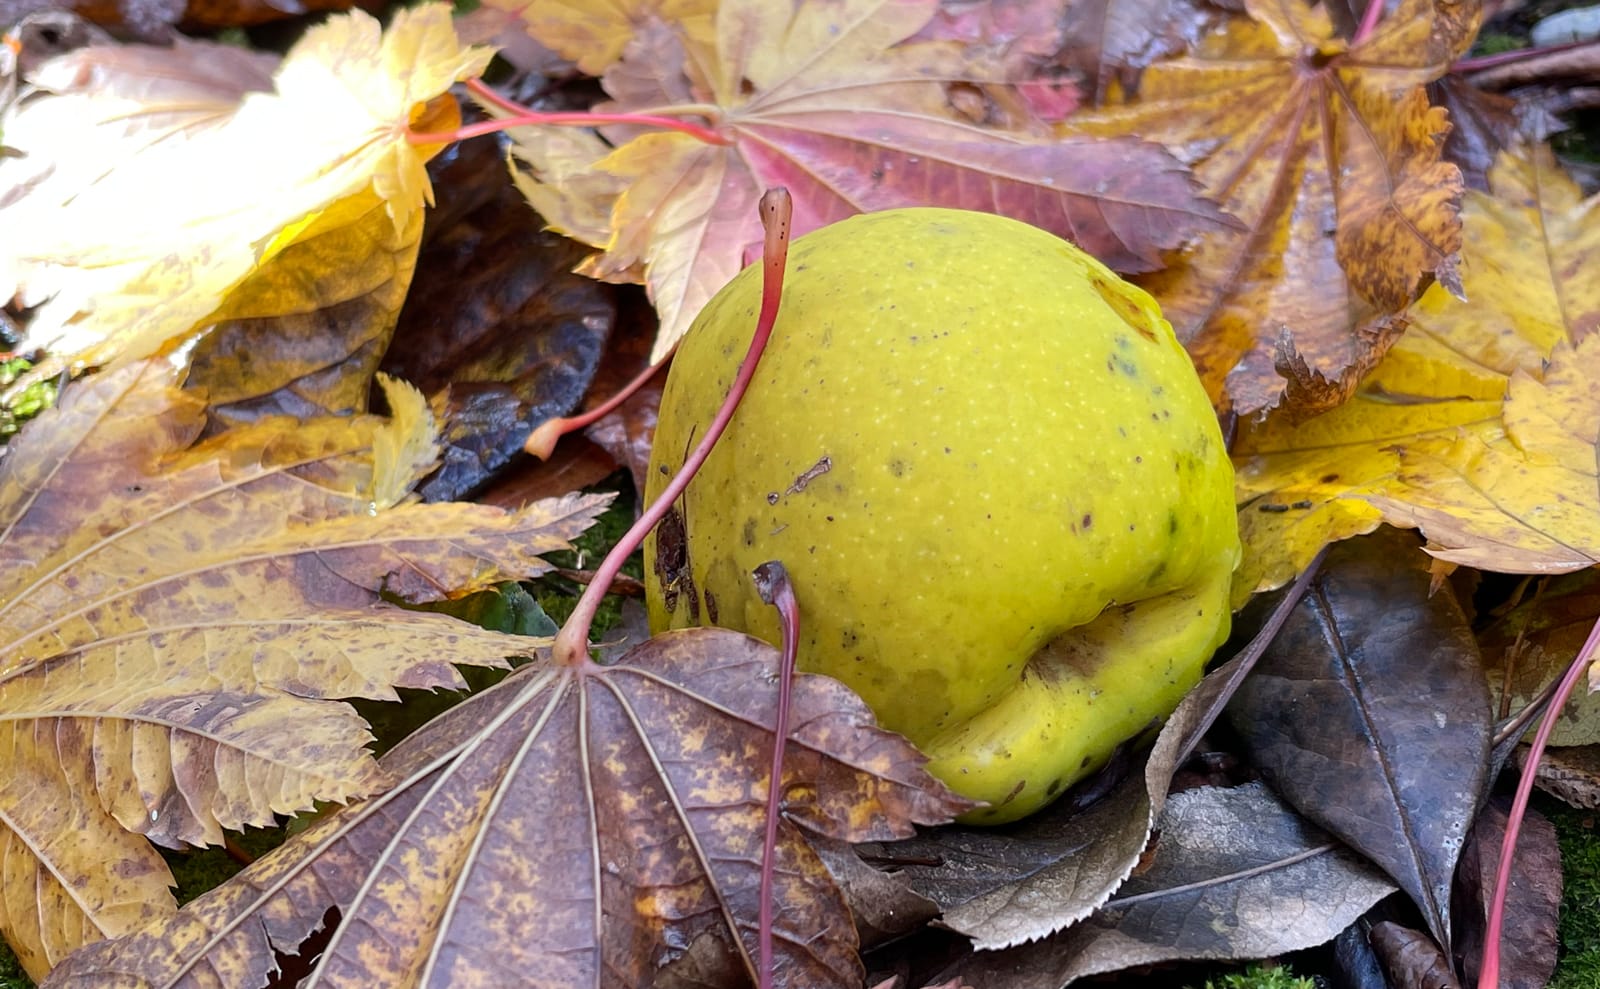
x=1463, y=429
x=593, y=33
x=155, y=244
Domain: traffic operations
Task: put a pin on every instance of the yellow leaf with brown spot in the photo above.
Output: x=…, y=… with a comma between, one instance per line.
x=179, y=619
x=1328, y=151
x=1463, y=429
x=159, y=239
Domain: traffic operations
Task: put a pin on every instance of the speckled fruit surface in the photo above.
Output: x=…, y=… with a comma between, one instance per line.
x=994, y=478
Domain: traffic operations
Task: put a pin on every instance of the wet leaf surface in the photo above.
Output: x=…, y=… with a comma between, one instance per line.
x=638, y=789
x=1370, y=716
x=1234, y=874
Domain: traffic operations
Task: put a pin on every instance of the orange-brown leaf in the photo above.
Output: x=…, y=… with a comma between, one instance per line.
x=592, y=825
x=1330, y=154
x=178, y=619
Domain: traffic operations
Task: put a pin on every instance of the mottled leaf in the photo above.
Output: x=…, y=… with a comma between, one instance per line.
x=1235, y=874
x=825, y=99
x=1462, y=405
x=1369, y=714
x=593, y=33
x=1328, y=151
x=595, y=823
x=179, y=619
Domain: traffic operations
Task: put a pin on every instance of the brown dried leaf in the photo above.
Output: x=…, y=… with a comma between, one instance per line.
x=179, y=619
x=637, y=791
x=1528, y=941
x=1330, y=154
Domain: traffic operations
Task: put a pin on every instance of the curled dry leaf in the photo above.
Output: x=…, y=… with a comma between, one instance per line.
x=1235, y=874
x=1329, y=153
x=180, y=619
x=1370, y=715
x=571, y=827
x=1490, y=395
x=829, y=100
x=161, y=239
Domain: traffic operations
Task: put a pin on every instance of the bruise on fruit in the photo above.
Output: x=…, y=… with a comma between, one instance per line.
x=1123, y=305
x=672, y=564
x=816, y=470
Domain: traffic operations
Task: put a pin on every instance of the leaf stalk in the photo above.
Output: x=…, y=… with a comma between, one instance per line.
x=571, y=646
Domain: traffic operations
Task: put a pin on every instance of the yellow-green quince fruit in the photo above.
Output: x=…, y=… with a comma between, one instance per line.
x=994, y=478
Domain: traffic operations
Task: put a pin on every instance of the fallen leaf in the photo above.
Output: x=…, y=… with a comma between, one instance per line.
x=1455, y=410
x=166, y=242
x=498, y=332
x=1529, y=647
x=1570, y=774
x=638, y=790
x=1109, y=42
x=1411, y=959
x=112, y=103
x=1328, y=151
x=1235, y=874
x=829, y=101
x=1354, y=960
x=1372, y=687
x=1528, y=941
x=181, y=619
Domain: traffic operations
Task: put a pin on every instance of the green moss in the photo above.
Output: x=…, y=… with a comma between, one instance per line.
x=1576, y=830
x=558, y=595
x=11, y=974
x=199, y=870
x=1494, y=44
x=33, y=399
x=1260, y=977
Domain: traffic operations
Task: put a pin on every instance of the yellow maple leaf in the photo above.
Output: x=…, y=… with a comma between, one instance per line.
x=157, y=244
x=1479, y=425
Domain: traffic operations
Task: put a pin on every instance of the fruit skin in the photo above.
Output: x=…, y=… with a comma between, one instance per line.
x=996, y=482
